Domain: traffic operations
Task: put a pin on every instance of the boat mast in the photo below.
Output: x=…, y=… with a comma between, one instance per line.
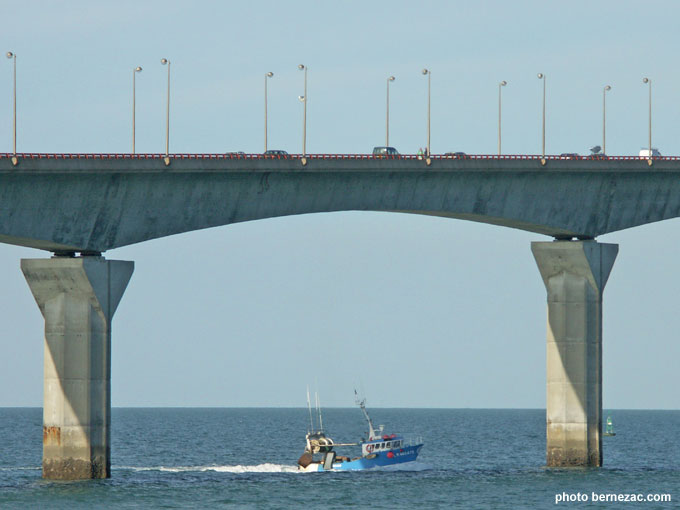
x=309, y=406
x=318, y=410
x=362, y=405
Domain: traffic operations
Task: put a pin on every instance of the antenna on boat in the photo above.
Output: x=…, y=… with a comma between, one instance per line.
x=309, y=406
x=318, y=411
x=362, y=405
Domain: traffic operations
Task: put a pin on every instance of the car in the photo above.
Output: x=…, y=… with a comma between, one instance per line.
x=275, y=152
x=644, y=153
x=385, y=151
x=456, y=155
x=569, y=155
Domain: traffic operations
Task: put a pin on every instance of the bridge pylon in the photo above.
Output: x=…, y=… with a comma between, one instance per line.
x=575, y=274
x=77, y=297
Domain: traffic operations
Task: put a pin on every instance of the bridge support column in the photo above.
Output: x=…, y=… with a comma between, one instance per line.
x=77, y=297
x=574, y=274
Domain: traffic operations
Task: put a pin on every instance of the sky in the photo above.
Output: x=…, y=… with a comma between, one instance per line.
x=413, y=311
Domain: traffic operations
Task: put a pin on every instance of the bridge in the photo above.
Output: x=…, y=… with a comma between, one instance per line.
x=77, y=206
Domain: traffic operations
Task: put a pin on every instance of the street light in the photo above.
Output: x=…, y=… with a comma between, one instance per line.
x=303, y=98
x=604, y=118
x=649, y=154
x=541, y=76
x=268, y=75
x=429, y=76
x=165, y=61
x=13, y=56
x=500, y=84
x=134, y=86
x=387, y=118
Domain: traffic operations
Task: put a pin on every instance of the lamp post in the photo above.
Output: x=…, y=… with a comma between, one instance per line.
x=303, y=98
x=267, y=75
x=541, y=76
x=136, y=70
x=649, y=154
x=387, y=118
x=165, y=61
x=604, y=118
x=429, y=76
x=13, y=56
x=500, y=84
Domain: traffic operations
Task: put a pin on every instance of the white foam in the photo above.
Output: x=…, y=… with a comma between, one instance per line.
x=268, y=468
x=260, y=468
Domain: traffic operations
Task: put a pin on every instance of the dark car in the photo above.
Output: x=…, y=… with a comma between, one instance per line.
x=275, y=152
x=456, y=155
x=385, y=151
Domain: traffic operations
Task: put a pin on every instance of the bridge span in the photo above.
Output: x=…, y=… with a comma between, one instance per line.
x=88, y=203
x=93, y=203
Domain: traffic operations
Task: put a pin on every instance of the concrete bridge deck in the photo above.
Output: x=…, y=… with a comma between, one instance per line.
x=95, y=202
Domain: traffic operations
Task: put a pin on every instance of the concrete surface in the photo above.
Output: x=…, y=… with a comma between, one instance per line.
x=575, y=274
x=77, y=297
x=93, y=205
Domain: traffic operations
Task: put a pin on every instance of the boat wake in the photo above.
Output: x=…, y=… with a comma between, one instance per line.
x=264, y=468
x=260, y=468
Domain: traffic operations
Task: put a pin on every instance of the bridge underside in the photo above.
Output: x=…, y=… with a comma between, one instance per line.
x=93, y=206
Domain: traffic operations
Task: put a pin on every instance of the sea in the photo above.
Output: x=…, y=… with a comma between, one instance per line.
x=245, y=458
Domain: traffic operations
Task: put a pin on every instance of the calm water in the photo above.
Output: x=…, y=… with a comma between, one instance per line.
x=245, y=458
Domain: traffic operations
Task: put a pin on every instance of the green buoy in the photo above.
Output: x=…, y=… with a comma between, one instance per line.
x=609, y=430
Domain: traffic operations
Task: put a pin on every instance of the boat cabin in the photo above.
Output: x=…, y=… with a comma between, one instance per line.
x=386, y=443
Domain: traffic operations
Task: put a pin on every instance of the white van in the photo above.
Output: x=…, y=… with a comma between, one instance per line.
x=644, y=153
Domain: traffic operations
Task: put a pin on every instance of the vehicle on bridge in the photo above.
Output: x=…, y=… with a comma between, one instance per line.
x=644, y=153
x=385, y=151
x=275, y=152
x=456, y=155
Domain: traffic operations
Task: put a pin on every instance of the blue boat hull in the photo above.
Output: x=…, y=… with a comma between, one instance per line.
x=381, y=459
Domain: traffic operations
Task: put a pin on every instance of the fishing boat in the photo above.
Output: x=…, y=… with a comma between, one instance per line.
x=379, y=450
x=609, y=430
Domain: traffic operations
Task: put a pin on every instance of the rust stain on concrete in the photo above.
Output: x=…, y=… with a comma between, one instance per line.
x=52, y=435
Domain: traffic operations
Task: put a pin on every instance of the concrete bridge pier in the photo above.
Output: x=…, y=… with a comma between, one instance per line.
x=77, y=297
x=575, y=274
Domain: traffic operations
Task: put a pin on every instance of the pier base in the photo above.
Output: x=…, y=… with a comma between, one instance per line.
x=575, y=274
x=77, y=297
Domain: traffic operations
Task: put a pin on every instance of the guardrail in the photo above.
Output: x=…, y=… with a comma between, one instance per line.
x=410, y=440
x=433, y=157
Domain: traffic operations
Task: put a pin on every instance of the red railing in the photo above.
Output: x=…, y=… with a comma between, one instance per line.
x=231, y=156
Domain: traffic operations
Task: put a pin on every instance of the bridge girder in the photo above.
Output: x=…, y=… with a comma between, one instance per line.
x=93, y=205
